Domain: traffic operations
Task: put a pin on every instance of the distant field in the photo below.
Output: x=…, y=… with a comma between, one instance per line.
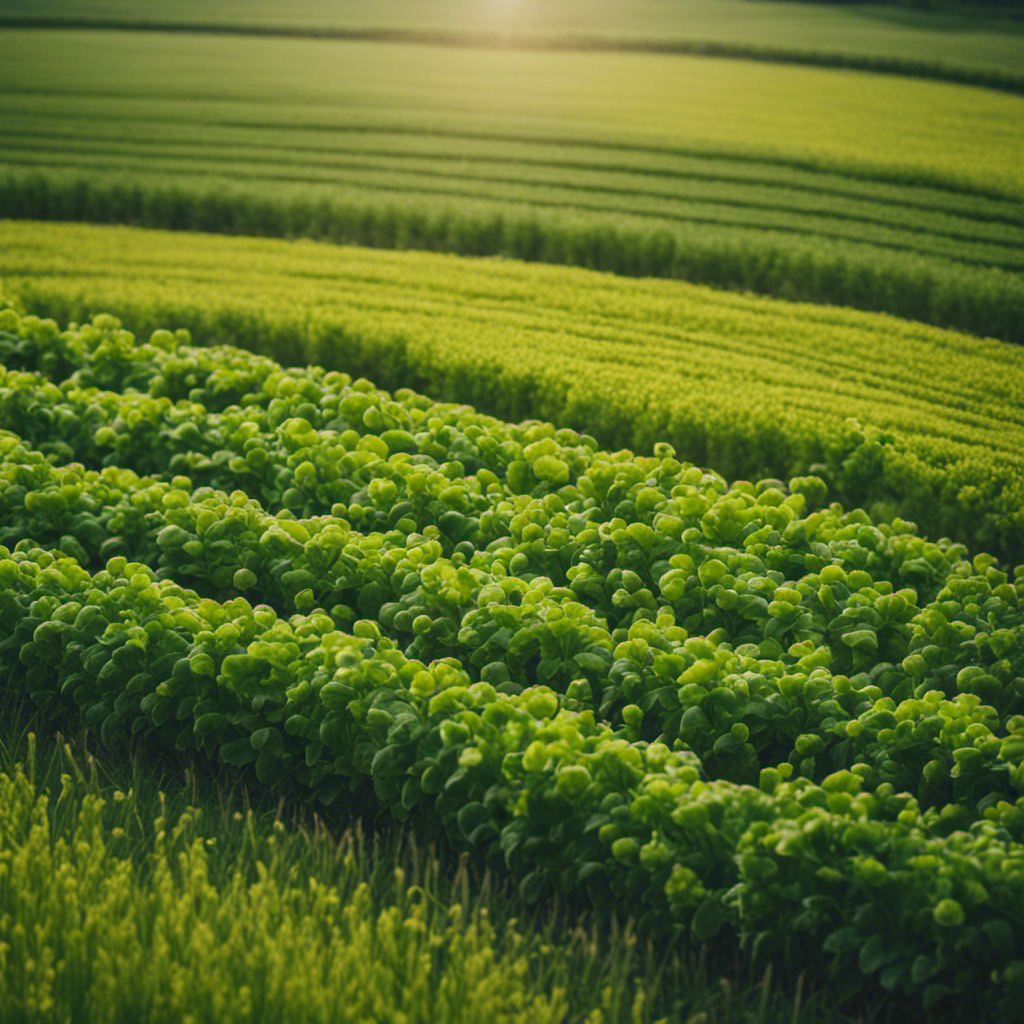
x=968, y=45
x=844, y=187
x=844, y=121
x=752, y=387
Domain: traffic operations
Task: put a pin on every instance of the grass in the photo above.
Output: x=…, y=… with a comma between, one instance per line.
x=814, y=184
x=183, y=895
x=750, y=386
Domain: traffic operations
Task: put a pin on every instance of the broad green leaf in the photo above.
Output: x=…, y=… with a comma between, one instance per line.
x=708, y=919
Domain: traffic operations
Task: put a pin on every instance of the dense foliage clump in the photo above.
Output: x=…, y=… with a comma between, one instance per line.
x=749, y=386
x=734, y=704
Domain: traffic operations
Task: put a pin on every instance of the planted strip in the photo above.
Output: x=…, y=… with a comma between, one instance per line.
x=568, y=801
x=675, y=167
x=753, y=388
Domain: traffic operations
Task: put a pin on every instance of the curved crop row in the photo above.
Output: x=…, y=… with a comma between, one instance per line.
x=749, y=386
x=549, y=666
x=395, y=487
x=561, y=797
x=988, y=50
x=741, y=198
x=573, y=609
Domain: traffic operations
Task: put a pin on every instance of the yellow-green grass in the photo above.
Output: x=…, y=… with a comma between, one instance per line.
x=140, y=891
x=948, y=41
x=861, y=189
x=750, y=386
x=115, y=910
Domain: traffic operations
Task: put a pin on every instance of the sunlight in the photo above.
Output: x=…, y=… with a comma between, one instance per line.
x=506, y=11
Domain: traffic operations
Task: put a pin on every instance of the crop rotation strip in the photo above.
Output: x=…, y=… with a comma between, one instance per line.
x=850, y=124
x=944, y=70
x=944, y=246
x=264, y=158
x=554, y=643
x=685, y=169
x=749, y=386
x=946, y=273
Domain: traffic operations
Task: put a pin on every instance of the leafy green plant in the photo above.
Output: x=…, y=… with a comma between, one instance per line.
x=942, y=452
x=616, y=676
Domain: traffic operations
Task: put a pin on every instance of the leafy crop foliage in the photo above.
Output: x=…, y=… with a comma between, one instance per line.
x=618, y=675
x=875, y=192
x=748, y=386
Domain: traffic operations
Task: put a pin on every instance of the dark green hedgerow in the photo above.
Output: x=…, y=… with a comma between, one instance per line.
x=981, y=299
x=541, y=645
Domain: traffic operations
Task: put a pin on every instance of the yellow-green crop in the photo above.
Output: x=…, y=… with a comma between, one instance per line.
x=860, y=189
x=827, y=118
x=105, y=916
x=747, y=385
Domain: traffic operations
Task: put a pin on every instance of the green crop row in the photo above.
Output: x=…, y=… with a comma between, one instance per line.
x=571, y=627
x=615, y=182
x=548, y=666
x=868, y=877
x=750, y=386
x=922, y=226
x=983, y=294
x=395, y=487
x=988, y=47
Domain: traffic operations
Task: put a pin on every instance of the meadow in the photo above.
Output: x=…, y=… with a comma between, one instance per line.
x=523, y=629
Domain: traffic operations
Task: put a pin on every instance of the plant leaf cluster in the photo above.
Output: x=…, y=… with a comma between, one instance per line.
x=730, y=704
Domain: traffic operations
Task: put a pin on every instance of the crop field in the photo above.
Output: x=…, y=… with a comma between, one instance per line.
x=973, y=48
x=730, y=705
x=835, y=186
x=248, y=916
x=750, y=386
x=522, y=513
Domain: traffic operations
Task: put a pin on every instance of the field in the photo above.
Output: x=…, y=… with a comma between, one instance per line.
x=973, y=46
x=525, y=630
x=541, y=646
x=750, y=386
x=867, y=190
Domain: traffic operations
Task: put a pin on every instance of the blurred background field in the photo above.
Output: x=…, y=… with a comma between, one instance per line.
x=964, y=40
x=844, y=187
